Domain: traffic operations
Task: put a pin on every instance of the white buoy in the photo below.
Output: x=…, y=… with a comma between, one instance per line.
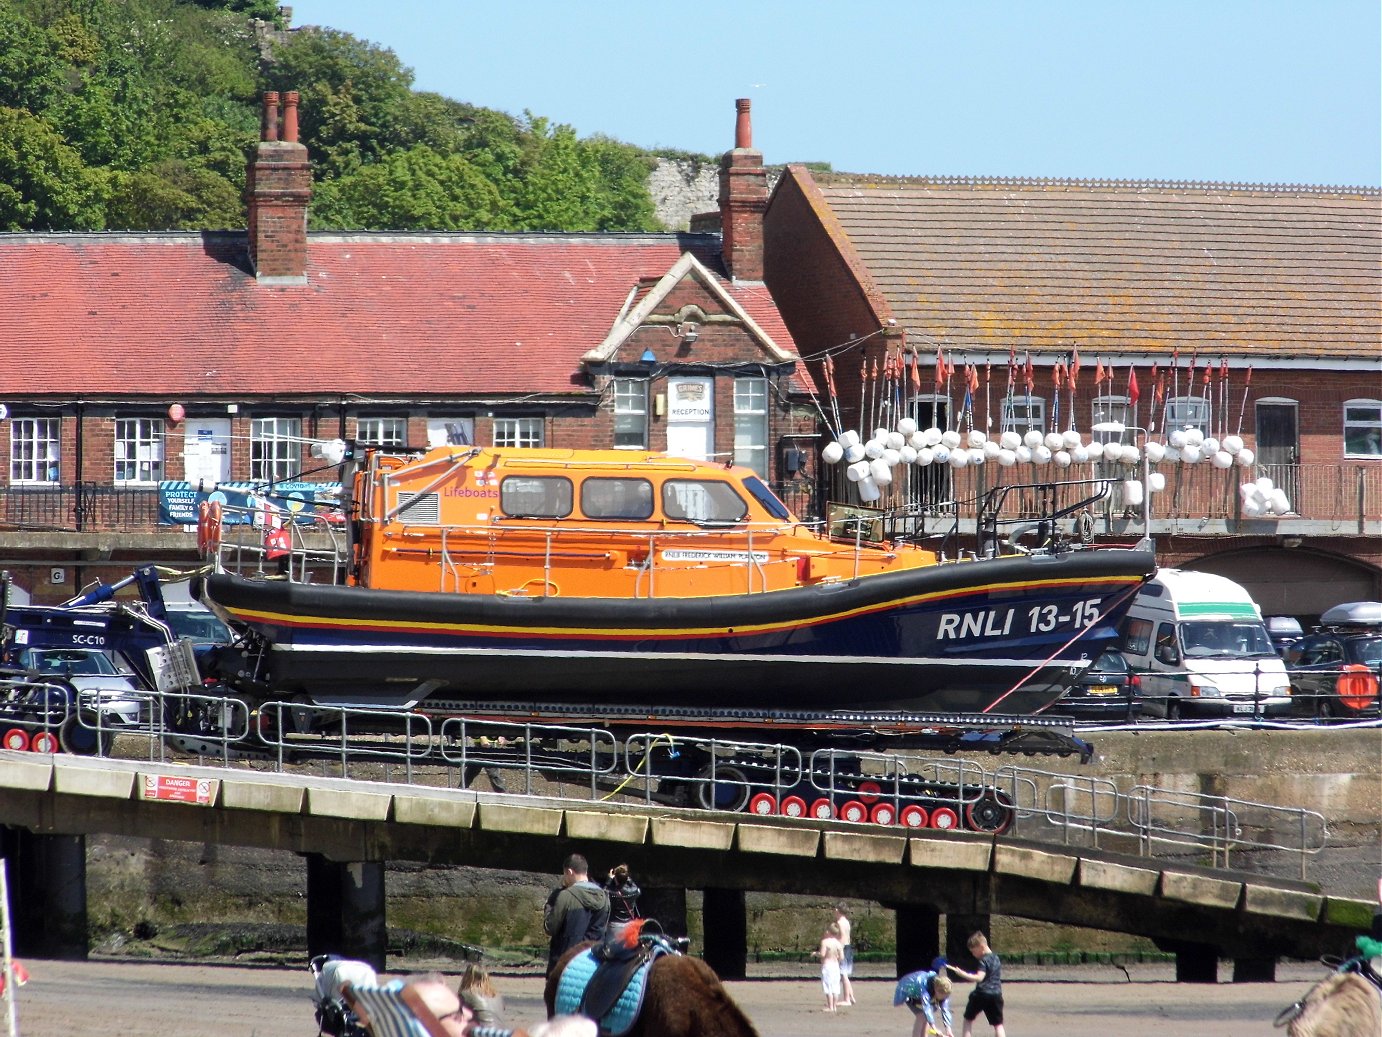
x=880, y=433
x=1222, y=459
x=976, y=458
x=950, y=439
x=1190, y=454
x=1095, y=450
x=933, y=435
x=1265, y=484
x=1006, y=457
x=869, y=491
x=907, y=426
x=941, y=455
x=1132, y=493
x=892, y=458
x=880, y=472
x=991, y=449
x=1080, y=455
x=977, y=439
x=857, y=471
x=849, y=439
x=1246, y=457
x=1032, y=439
x=854, y=452
x=873, y=449
x=1024, y=454
x=1070, y=439
x=832, y=453
x=1061, y=458
x=1041, y=454
x=925, y=456
x=1155, y=451
x=1280, y=503
x=894, y=440
x=917, y=440
x=959, y=457
x=1172, y=455
x=1252, y=509
x=1210, y=446
x=1054, y=441
x=1009, y=440
x=908, y=454
x=1194, y=437
x=1156, y=482
x=1232, y=444
x=1176, y=438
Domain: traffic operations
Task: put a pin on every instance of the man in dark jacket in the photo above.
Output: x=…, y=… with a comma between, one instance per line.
x=576, y=911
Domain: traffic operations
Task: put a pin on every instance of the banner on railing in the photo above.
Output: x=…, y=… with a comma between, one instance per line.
x=247, y=503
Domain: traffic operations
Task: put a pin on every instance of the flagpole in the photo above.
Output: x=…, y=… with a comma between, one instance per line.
x=1243, y=409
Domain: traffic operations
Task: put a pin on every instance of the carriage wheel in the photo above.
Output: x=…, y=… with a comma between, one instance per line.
x=80, y=740
x=883, y=814
x=854, y=811
x=944, y=818
x=764, y=804
x=869, y=791
x=16, y=739
x=823, y=810
x=992, y=812
x=44, y=742
x=793, y=806
x=914, y=816
x=728, y=791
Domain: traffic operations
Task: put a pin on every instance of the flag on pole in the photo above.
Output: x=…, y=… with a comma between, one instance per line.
x=941, y=372
x=1133, y=393
x=1098, y=373
x=1028, y=375
x=1074, y=368
x=916, y=374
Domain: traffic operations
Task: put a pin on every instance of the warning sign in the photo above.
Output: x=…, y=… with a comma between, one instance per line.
x=171, y=789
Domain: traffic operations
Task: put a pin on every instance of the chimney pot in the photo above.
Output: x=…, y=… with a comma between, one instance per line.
x=269, y=129
x=290, y=116
x=743, y=128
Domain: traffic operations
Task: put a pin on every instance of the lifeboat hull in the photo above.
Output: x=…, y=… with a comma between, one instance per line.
x=1002, y=635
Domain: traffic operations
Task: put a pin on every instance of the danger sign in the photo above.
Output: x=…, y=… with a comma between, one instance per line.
x=170, y=789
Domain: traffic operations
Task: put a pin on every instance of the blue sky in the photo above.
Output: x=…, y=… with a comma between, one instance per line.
x=1272, y=91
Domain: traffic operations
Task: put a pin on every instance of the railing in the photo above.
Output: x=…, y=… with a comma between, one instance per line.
x=1344, y=495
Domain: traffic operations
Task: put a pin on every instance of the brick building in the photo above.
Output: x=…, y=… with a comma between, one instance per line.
x=1269, y=293
x=136, y=361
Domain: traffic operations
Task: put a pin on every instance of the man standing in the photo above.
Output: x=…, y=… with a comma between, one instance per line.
x=577, y=910
x=847, y=966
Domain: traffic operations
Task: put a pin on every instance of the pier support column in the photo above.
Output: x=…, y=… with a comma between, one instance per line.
x=1195, y=962
x=665, y=905
x=46, y=875
x=725, y=921
x=345, y=910
x=1254, y=970
x=957, y=931
x=918, y=937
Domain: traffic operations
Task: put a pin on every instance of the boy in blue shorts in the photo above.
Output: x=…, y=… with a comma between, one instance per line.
x=987, y=995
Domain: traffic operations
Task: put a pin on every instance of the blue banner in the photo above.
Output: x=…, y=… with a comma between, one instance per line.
x=245, y=503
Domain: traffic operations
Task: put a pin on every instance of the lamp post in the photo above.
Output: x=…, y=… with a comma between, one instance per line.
x=1118, y=428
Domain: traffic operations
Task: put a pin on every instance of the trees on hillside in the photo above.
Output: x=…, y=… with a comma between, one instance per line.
x=138, y=114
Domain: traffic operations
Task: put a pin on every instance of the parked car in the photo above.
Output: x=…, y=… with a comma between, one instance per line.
x=1107, y=691
x=83, y=692
x=1285, y=632
x=1338, y=666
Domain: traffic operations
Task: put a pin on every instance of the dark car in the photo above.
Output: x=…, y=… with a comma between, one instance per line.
x=1285, y=632
x=1106, y=691
x=1338, y=665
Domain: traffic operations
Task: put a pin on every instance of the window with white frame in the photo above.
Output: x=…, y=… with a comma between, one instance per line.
x=1363, y=428
x=34, y=450
x=1024, y=413
x=138, y=450
x=630, y=413
x=1110, y=409
x=518, y=432
x=751, y=424
x=381, y=431
x=275, y=449
x=1188, y=412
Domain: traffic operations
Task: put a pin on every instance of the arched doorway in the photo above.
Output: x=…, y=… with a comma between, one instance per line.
x=1294, y=582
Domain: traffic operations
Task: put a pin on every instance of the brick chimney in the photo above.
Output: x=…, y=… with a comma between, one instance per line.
x=743, y=197
x=278, y=186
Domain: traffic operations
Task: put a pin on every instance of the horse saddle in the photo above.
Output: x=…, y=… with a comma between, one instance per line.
x=607, y=983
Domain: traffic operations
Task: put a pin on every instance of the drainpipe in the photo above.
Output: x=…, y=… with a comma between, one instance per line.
x=80, y=465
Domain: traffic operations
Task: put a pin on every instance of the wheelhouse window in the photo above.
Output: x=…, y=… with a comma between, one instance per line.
x=1363, y=428
x=275, y=449
x=617, y=498
x=382, y=431
x=751, y=424
x=630, y=413
x=138, y=450
x=1188, y=412
x=34, y=450
x=1024, y=413
x=519, y=432
x=524, y=496
x=701, y=500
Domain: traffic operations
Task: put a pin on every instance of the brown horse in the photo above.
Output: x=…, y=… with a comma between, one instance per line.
x=684, y=998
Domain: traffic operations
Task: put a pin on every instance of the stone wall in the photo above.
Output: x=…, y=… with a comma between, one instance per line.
x=683, y=187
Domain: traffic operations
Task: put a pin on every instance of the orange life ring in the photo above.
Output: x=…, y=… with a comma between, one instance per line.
x=208, y=528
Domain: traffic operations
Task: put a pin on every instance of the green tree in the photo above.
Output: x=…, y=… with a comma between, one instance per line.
x=32, y=74
x=43, y=183
x=416, y=189
x=171, y=195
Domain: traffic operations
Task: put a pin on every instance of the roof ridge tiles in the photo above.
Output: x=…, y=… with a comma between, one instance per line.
x=832, y=178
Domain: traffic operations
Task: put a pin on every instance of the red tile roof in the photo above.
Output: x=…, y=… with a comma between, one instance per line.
x=124, y=314
x=1119, y=267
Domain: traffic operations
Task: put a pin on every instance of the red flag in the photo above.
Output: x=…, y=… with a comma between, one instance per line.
x=1133, y=394
x=941, y=370
x=277, y=543
x=1159, y=392
x=1058, y=374
x=972, y=378
x=829, y=368
x=916, y=374
x=1098, y=373
x=1074, y=368
x=1028, y=375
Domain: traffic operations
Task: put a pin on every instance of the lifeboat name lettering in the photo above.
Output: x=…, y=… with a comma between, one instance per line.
x=757, y=557
x=984, y=623
x=1035, y=620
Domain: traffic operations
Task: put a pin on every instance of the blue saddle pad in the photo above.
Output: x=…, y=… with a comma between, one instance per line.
x=621, y=1016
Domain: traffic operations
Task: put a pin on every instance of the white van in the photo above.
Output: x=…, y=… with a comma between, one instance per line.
x=1199, y=642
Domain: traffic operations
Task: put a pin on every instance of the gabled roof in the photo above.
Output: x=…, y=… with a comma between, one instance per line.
x=686, y=266
x=384, y=315
x=1117, y=267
